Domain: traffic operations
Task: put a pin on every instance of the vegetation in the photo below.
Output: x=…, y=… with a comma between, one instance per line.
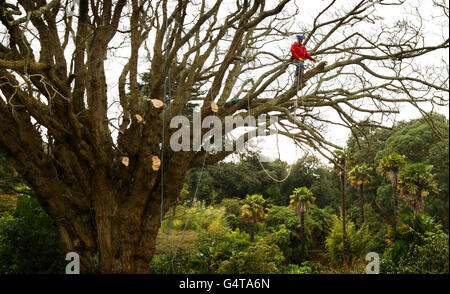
x=419, y=246
x=281, y=229
x=88, y=90
x=416, y=182
x=29, y=242
x=359, y=176
x=390, y=166
x=301, y=200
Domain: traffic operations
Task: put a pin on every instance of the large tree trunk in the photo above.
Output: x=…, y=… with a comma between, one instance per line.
x=99, y=207
x=361, y=204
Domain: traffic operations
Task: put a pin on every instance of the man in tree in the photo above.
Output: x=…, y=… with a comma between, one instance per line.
x=100, y=163
x=299, y=53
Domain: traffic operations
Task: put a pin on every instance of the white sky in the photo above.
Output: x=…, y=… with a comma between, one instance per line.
x=308, y=10
x=339, y=135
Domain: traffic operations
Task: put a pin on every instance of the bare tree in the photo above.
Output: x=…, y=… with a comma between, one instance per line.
x=94, y=172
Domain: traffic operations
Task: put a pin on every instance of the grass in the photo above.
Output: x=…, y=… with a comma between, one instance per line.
x=198, y=218
x=189, y=241
x=7, y=202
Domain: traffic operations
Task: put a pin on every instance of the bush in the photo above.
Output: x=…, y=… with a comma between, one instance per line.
x=7, y=203
x=318, y=223
x=282, y=238
x=198, y=218
x=29, y=243
x=232, y=206
x=294, y=269
x=258, y=259
x=282, y=215
x=216, y=246
x=162, y=264
x=419, y=246
x=233, y=215
x=358, y=242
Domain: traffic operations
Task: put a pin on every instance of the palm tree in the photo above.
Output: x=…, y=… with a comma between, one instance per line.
x=254, y=208
x=301, y=200
x=342, y=158
x=390, y=166
x=359, y=176
x=416, y=182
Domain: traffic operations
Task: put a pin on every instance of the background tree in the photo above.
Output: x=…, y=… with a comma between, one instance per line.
x=390, y=166
x=29, y=242
x=418, y=141
x=359, y=176
x=416, y=182
x=342, y=159
x=301, y=199
x=254, y=209
x=68, y=134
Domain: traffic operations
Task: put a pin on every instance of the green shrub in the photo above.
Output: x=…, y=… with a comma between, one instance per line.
x=29, y=243
x=162, y=264
x=282, y=215
x=318, y=223
x=419, y=246
x=358, y=242
x=233, y=213
x=232, y=206
x=197, y=218
x=216, y=246
x=258, y=259
x=7, y=203
x=294, y=269
x=282, y=238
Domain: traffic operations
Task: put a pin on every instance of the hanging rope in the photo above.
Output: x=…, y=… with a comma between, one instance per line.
x=258, y=157
x=163, y=126
x=192, y=205
x=188, y=217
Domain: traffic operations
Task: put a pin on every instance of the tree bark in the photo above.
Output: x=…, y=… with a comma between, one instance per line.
x=420, y=205
x=302, y=230
x=361, y=204
x=395, y=193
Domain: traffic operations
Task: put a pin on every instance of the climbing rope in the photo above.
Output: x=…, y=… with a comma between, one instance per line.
x=188, y=217
x=163, y=125
x=258, y=158
x=167, y=86
x=192, y=205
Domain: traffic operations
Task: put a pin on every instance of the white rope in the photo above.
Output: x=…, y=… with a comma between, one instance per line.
x=278, y=147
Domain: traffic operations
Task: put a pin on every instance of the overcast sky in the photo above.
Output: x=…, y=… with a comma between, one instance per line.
x=337, y=135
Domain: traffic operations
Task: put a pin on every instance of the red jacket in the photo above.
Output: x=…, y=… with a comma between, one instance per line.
x=299, y=51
